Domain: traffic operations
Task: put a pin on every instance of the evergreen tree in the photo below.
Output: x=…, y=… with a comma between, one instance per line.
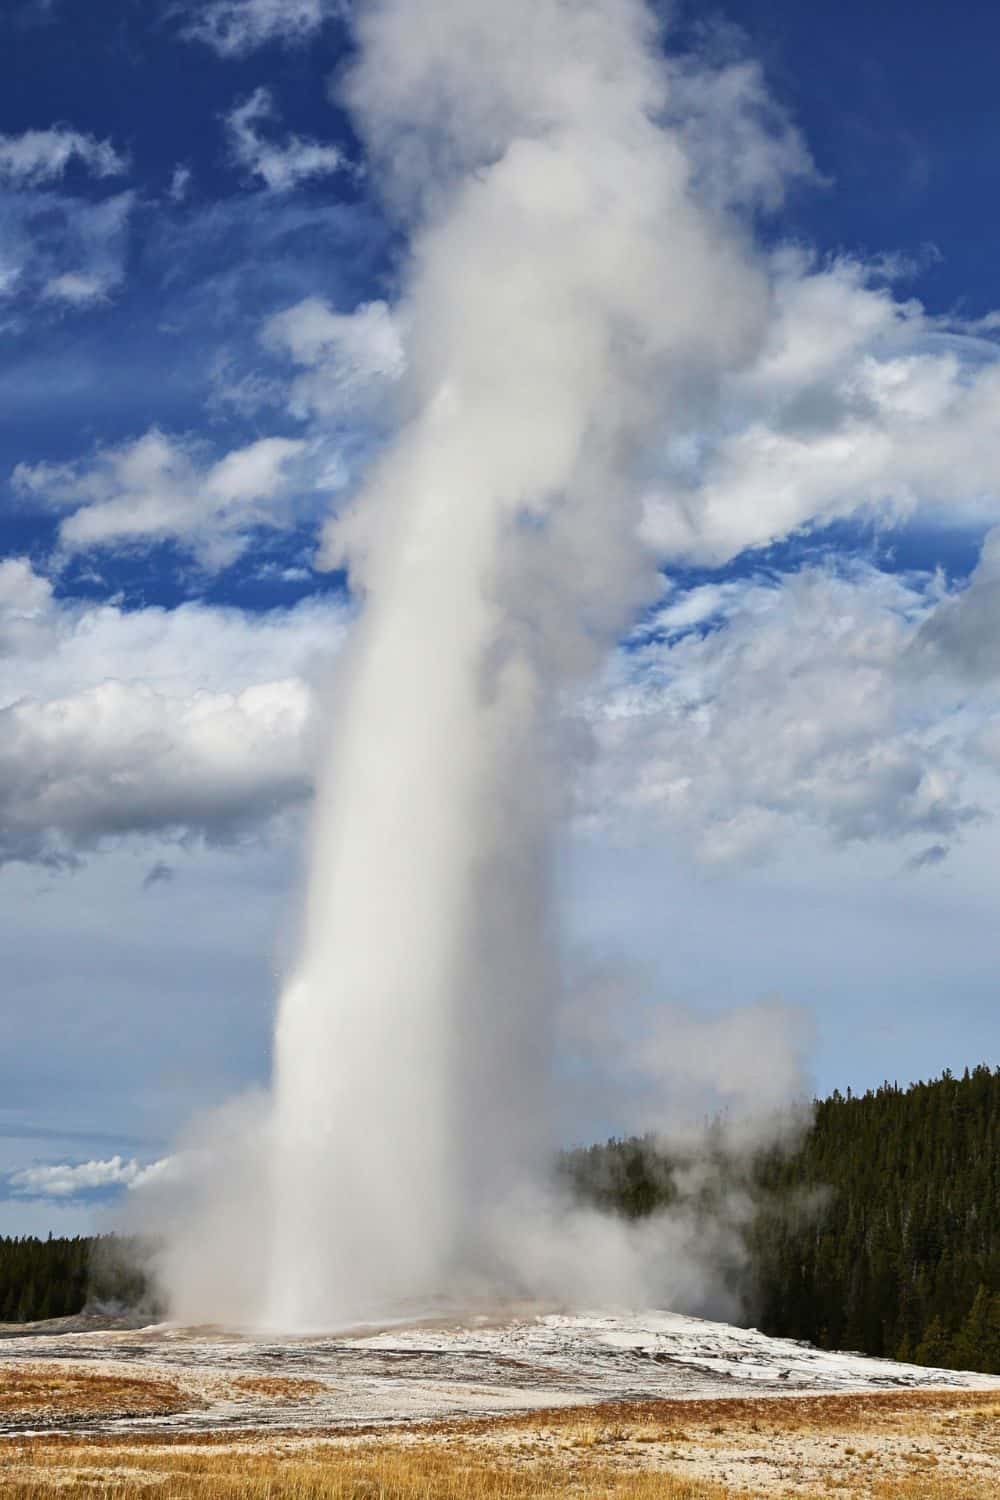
x=880, y=1231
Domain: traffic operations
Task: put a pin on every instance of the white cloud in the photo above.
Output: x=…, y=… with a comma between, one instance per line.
x=65, y=1180
x=848, y=704
x=960, y=638
x=195, y=723
x=280, y=167
x=123, y=758
x=858, y=403
x=75, y=288
x=349, y=358
x=235, y=27
x=39, y=156
x=756, y=710
x=161, y=488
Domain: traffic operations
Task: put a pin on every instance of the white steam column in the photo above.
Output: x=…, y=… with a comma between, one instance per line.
x=566, y=292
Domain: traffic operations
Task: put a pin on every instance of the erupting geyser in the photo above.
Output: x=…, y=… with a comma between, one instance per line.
x=570, y=291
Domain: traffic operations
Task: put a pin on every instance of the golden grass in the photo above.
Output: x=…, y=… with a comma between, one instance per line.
x=901, y=1413
x=48, y=1392
x=900, y=1445
x=276, y=1387
x=32, y=1473
x=331, y=1474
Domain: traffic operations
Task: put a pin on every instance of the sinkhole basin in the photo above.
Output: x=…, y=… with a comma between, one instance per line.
x=87, y=1378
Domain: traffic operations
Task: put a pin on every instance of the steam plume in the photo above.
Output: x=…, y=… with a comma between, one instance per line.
x=564, y=287
x=576, y=285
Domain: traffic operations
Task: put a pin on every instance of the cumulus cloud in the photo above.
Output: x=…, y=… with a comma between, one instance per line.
x=280, y=167
x=961, y=637
x=751, y=710
x=235, y=27
x=195, y=723
x=123, y=758
x=858, y=402
x=39, y=156
x=348, y=359
x=159, y=488
x=743, y=713
x=66, y=1180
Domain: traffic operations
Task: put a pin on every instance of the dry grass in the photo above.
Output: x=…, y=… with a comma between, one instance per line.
x=51, y=1392
x=275, y=1387
x=30, y=1472
x=901, y=1445
x=899, y=1412
x=333, y=1474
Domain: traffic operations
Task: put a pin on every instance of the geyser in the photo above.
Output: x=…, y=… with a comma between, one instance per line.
x=573, y=289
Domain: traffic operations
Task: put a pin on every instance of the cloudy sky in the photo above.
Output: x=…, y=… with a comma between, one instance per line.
x=793, y=796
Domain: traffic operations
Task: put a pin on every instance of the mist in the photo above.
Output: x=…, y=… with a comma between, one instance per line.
x=580, y=274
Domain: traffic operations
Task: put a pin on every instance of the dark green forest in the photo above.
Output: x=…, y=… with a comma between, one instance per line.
x=55, y=1278
x=877, y=1230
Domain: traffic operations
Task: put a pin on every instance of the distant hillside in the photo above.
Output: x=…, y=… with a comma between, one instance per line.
x=879, y=1232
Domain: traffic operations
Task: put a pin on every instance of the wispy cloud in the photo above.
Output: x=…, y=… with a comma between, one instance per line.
x=235, y=27
x=349, y=359
x=158, y=874
x=180, y=183
x=280, y=166
x=39, y=156
x=926, y=859
x=62, y=251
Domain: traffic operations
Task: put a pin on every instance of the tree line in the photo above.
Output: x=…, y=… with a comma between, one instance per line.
x=877, y=1229
x=57, y=1278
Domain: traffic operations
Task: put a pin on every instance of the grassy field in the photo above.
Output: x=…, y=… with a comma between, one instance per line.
x=238, y=1474
x=907, y=1445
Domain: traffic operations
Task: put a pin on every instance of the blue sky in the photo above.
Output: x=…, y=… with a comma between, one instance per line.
x=794, y=790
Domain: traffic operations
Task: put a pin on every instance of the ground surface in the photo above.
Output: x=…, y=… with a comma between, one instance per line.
x=579, y=1405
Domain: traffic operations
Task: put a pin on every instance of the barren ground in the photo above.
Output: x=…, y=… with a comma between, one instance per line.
x=636, y=1407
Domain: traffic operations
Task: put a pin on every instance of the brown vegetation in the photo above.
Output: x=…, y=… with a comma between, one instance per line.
x=898, y=1411
x=906, y=1445
x=48, y=1393
x=32, y=1472
x=276, y=1387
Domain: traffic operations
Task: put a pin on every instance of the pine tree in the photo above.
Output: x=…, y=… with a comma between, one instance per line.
x=936, y=1346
